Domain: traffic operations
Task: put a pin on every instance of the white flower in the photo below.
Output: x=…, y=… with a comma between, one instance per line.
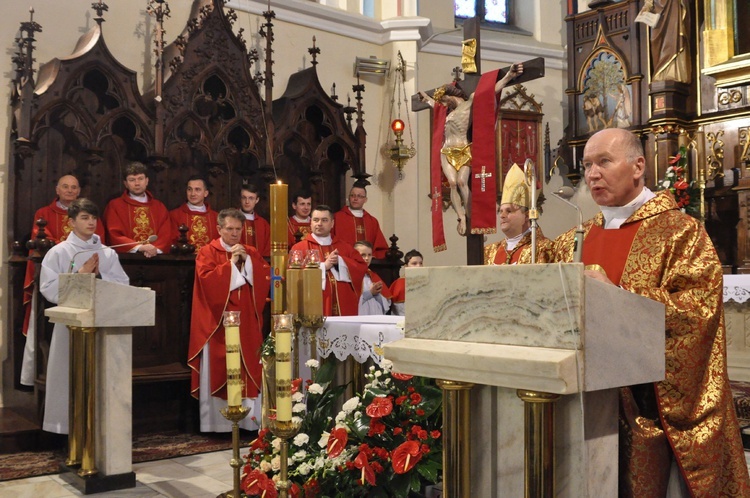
x=387, y=365
x=276, y=463
x=315, y=389
x=312, y=363
x=265, y=466
x=340, y=417
x=357, y=415
x=304, y=469
x=387, y=381
x=301, y=439
x=323, y=441
x=666, y=183
x=276, y=444
x=378, y=373
x=298, y=397
x=299, y=408
x=351, y=405
x=319, y=462
x=297, y=420
x=299, y=455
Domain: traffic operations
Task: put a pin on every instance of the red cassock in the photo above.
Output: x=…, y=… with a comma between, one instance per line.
x=398, y=290
x=352, y=229
x=211, y=297
x=295, y=226
x=339, y=298
x=202, y=227
x=57, y=230
x=257, y=233
x=128, y=220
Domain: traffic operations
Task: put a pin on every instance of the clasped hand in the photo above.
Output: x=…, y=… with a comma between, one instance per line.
x=91, y=265
x=332, y=259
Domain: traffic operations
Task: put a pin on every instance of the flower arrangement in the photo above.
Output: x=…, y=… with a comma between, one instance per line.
x=384, y=442
x=685, y=194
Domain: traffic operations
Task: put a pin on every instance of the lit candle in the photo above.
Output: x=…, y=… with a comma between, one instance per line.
x=282, y=325
x=279, y=244
x=234, y=362
x=312, y=304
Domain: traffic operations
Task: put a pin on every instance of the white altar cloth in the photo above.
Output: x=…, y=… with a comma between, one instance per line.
x=736, y=288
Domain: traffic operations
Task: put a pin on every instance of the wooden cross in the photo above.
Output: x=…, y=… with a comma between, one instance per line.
x=483, y=177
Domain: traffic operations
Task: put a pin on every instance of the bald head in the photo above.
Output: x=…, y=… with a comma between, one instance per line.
x=68, y=189
x=614, y=166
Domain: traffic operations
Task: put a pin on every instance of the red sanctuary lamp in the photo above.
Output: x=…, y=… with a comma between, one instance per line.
x=399, y=153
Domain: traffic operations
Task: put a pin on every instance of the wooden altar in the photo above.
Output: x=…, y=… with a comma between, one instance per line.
x=205, y=114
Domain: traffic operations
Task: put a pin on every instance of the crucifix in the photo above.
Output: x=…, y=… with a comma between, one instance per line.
x=456, y=152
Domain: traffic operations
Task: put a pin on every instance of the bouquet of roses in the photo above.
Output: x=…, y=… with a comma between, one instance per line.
x=685, y=194
x=385, y=442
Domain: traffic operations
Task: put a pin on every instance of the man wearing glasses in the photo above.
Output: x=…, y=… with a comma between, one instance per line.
x=354, y=224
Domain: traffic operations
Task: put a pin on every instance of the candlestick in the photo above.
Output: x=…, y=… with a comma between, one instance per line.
x=312, y=303
x=279, y=244
x=234, y=362
x=282, y=326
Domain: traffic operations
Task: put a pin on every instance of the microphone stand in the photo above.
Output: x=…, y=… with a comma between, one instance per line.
x=563, y=194
x=530, y=172
x=149, y=240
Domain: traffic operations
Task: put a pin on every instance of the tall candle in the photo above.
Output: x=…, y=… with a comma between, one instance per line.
x=294, y=290
x=283, y=333
x=312, y=291
x=279, y=244
x=234, y=362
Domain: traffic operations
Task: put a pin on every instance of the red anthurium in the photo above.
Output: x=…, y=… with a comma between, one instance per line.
x=376, y=427
x=406, y=457
x=399, y=376
x=379, y=407
x=675, y=159
x=257, y=483
x=681, y=185
x=296, y=384
x=367, y=473
x=337, y=442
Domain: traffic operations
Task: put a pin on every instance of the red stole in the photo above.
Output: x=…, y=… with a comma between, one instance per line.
x=257, y=233
x=359, y=229
x=248, y=234
x=610, y=248
x=502, y=257
x=439, y=112
x=483, y=161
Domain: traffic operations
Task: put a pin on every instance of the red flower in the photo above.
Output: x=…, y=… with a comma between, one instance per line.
x=337, y=442
x=406, y=457
x=296, y=384
x=379, y=407
x=311, y=488
x=422, y=435
x=425, y=449
x=367, y=473
x=397, y=431
x=295, y=491
x=415, y=398
x=435, y=434
x=400, y=400
x=681, y=185
x=675, y=159
x=399, y=376
x=420, y=413
x=258, y=483
x=376, y=427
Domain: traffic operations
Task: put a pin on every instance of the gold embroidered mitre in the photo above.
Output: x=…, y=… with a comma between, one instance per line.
x=515, y=190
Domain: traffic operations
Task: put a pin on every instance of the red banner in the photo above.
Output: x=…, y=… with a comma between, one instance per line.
x=439, y=112
x=483, y=160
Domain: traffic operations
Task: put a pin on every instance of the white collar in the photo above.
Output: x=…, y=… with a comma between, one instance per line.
x=357, y=212
x=61, y=205
x=140, y=198
x=93, y=243
x=249, y=216
x=615, y=216
x=301, y=220
x=323, y=241
x=226, y=247
x=198, y=209
x=512, y=242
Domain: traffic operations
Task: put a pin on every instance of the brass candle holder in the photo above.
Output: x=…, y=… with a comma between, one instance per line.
x=312, y=323
x=284, y=430
x=235, y=414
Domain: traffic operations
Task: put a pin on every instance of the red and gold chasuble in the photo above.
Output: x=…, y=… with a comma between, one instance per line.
x=690, y=414
x=130, y=221
x=257, y=233
x=202, y=226
x=498, y=254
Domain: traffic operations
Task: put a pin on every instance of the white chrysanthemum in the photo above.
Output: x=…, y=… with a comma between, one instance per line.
x=304, y=469
x=323, y=441
x=276, y=444
x=276, y=463
x=299, y=408
x=340, y=417
x=386, y=364
x=301, y=439
x=315, y=389
x=265, y=466
x=351, y=405
x=299, y=455
x=298, y=397
x=297, y=420
x=312, y=363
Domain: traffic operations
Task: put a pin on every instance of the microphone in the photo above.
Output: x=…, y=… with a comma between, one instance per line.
x=149, y=240
x=565, y=193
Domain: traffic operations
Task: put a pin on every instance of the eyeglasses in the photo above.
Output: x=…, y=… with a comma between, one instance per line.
x=357, y=196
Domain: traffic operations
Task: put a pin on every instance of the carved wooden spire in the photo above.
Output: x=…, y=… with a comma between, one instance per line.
x=100, y=7
x=314, y=52
x=160, y=10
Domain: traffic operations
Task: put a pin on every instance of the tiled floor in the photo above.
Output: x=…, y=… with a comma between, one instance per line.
x=203, y=476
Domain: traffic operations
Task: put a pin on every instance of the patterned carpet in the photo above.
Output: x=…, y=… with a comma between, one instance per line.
x=145, y=448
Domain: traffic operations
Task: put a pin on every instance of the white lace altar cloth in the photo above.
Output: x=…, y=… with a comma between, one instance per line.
x=736, y=288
